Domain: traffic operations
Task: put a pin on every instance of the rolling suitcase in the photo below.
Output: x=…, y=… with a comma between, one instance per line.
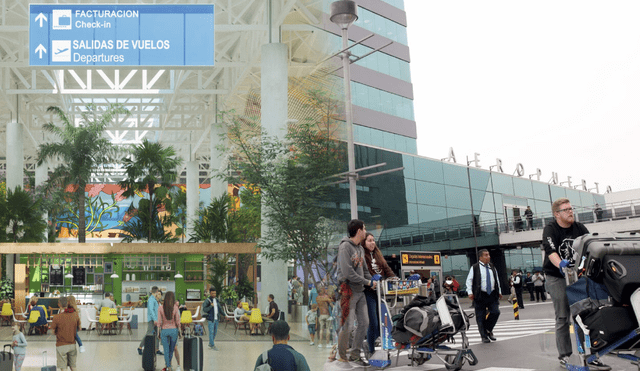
x=6, y=359
x=192, y=353
x=149, y=353
x=44, y=363
x=134, y=322
x=612, y=258
x=609, y=324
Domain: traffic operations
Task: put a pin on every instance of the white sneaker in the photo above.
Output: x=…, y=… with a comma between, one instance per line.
x=311, y=343
x=178, y=368
x=82, y=349
x=320, y=345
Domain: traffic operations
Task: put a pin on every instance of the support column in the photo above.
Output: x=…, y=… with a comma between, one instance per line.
x=218, y=186
x=42, y=174
x=193, y=198
x=274, y=99
x=15, y=156
x=15, y=171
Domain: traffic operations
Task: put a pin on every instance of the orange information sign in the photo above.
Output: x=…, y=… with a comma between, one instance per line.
x=420, y=258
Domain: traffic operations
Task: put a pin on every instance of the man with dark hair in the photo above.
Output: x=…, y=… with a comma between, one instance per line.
x=282, y=357
x=483, y=289
x=274, y=312
x=214, y=312
x=106, y=302
x=65, y=325
x=152, y=319
x=353, y=276
x=557, y=242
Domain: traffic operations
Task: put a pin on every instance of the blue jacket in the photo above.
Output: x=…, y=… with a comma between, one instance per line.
x=152, y=309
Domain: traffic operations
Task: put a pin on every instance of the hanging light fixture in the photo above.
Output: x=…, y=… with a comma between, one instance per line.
x=68, y=275
x=178, y=275
x=115, y=275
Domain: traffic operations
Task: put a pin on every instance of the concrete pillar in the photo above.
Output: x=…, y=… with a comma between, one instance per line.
x=193, y=195
x=274, y=87
x=15, y=171
x=218, y=186
x=15, y=156
x=42, y=174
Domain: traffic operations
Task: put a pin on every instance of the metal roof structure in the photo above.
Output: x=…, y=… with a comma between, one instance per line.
x=173, y=105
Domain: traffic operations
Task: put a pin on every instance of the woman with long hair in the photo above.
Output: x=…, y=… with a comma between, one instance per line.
x=73, y=304
x=169, y=323
x=376, y=265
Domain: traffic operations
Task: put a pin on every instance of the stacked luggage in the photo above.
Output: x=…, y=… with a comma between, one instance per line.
x=605, y=300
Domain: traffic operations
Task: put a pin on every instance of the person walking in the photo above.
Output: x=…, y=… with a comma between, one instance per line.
x=353, y=277
x=282, y=357
x=169, y=325
x=484, y=291
x=65, y=325
x=19, y=345
x=213, y=310
x=557, y=242
x=152, y=319
x=517, y=286
x=324, y=317
x=376, y=264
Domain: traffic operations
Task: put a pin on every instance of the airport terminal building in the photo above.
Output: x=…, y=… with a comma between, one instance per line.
x=430, y=204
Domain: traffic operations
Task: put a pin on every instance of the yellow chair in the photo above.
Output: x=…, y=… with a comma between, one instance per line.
x=106, y=319
x=245, y=306
x=34, y=316
x=6, y=310
x=256, y=316
x=7, y=313
x=185, y=317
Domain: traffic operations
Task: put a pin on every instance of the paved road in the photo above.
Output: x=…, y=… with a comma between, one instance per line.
x=524, y=345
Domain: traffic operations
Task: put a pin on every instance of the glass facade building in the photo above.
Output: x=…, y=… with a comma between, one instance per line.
x=431, y=204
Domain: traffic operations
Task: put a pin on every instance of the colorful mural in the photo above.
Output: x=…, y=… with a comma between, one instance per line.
x=107, y=210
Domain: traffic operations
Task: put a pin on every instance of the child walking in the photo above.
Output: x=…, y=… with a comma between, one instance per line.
x=72, y=304
x=311, y=318
x=19, y=346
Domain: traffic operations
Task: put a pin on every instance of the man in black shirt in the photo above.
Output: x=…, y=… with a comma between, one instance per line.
x=557, y=241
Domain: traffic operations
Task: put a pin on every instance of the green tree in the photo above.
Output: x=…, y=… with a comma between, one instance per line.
x=292, y=176
x=148, y=165
x=82, y=149
x=21, y=218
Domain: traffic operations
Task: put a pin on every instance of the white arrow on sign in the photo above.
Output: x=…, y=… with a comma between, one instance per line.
x=40, y=49
x=41, y=17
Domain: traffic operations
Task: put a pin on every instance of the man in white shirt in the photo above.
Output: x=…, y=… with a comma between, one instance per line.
x=107, y=302
x=484, y=290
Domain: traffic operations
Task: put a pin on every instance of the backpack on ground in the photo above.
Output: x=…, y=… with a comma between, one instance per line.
x=264, y=366
x=198, y=330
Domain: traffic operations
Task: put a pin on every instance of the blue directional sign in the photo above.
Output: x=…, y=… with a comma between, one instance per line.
x=121, y=35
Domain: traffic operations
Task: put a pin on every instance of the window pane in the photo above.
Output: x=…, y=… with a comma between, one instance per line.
x=455, y=175
x=430, y=193
x=428, y=170
x=502, y=184
x=458, y=197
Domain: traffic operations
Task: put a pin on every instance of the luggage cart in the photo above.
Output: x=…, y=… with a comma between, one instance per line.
x=583, y=346
x=433, y=344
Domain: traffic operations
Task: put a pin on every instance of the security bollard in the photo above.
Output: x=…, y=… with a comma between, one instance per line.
x=516, y=315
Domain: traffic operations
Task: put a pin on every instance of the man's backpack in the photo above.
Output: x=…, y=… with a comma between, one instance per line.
x=264, y=366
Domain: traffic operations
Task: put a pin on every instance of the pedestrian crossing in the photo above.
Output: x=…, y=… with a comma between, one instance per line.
x=508, y=330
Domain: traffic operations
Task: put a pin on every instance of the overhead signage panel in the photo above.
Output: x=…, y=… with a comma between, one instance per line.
x=121, y=35
x=420, y=258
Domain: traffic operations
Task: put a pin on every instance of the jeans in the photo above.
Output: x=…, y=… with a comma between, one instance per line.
x=557, y=288
x=374, y=324
x=213, y=330
x=169, y=340
x=78, y=340
x=357, y=312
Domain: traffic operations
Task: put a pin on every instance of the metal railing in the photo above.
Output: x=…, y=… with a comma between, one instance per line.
x=585, y=215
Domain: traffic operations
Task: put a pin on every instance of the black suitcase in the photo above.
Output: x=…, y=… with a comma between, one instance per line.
x=192, y=353
x=149, y=353
x=609, y=324
x=6, y=359
x=594, y=247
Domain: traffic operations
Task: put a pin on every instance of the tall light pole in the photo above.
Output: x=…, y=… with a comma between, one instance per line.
x=343, y=14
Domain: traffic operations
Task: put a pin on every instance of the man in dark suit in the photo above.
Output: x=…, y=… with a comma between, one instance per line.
x=484, y=290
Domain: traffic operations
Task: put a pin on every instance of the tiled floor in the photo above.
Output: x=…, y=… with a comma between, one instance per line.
x=118, y=352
